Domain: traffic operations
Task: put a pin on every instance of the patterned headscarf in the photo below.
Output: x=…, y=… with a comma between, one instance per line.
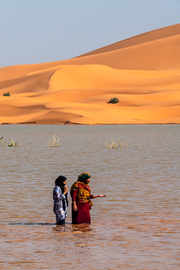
x=84, y=176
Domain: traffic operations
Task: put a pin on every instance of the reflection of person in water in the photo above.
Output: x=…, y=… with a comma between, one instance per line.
x=60, y=193
x=81, y=199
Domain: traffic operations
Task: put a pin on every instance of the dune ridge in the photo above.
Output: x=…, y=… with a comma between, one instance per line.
x=143, y=72
x=139, y=39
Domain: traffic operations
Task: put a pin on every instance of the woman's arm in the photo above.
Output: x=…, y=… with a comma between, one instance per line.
x=65, y=190
x=96, y=196
x=74, y=205
x=57, y=194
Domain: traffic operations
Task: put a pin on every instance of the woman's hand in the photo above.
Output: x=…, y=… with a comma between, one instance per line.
x=74, y=207
x=65, y=190
x=102, y=196
x=97, y=196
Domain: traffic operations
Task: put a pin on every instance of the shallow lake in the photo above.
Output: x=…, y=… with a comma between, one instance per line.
x=137, y=226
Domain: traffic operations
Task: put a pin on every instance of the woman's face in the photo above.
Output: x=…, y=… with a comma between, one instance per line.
x=88, y=180
x=64, y=182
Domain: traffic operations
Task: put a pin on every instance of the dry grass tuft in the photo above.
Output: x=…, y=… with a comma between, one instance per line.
x=114, y=145
x=2, y=141
x=54, y=141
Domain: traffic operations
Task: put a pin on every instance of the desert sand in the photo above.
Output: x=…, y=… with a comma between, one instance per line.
x=143, y=72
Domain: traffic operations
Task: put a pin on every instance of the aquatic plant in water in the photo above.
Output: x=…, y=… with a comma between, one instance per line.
x=2, y=141
x=13, y=143
x=114, y=145
x=54, y=142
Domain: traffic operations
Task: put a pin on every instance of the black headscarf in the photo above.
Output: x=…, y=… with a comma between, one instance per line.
x=59, y=182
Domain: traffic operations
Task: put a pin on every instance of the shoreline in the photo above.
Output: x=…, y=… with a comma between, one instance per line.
x=77, y=124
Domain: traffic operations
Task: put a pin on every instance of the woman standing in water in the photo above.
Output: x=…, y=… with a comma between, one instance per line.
x=60, y=193
x=81, y=199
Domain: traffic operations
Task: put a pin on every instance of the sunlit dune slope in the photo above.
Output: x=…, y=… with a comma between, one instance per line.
x=143, y=72
x=140, y=39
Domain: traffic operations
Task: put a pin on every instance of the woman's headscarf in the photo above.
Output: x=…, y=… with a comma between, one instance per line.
x=83, y=177
x=59, y=182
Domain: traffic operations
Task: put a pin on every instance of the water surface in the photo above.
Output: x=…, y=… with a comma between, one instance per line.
x=137, y=226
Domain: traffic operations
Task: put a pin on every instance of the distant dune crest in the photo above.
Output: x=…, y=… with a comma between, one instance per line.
x=143, y=72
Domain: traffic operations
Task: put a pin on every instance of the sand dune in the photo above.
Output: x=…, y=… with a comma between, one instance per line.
x=140, y=39
x=142, y=71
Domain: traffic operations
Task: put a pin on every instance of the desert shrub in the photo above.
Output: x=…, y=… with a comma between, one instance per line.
x=54, y=142
x=6, y=94
x=114, y=100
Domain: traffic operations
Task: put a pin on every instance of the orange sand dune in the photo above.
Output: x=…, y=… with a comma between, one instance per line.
x=143, y=38
x=143, y=72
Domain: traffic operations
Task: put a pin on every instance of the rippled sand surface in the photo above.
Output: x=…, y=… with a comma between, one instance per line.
x=137, y=226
